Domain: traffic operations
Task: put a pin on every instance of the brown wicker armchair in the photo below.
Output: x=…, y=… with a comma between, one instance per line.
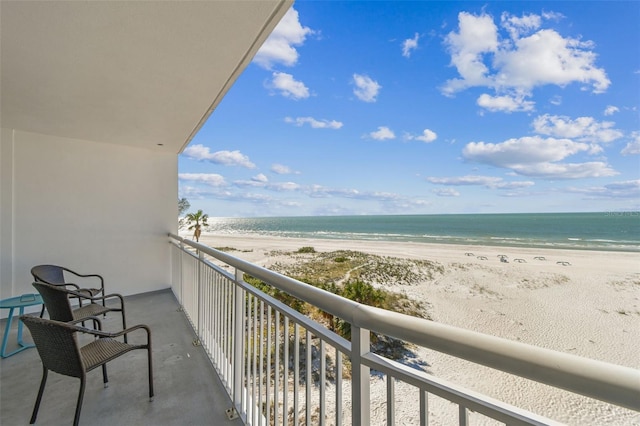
x=56, y=300
x=59, y=350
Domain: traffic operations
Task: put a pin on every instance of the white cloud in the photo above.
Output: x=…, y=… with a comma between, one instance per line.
x=366, y=88
x=281, y=169
x=624, y=189
x=285, y=186
x=526, y=150
x=279, y=47
x=319, y=191
x=410, y=45
x=288, y=86
x=565, y=170
x=515, y=184
x=519, y=26
x=211, y=179
x=517, y=60
x=553, y=16
x=382, y=133
x=446, y=192
x=537, y=157
x=427, y=136
x=629, y=186
x=610, y=110
x=228, y=158
x=475, y=180
x=260, y=177
x=261, y=181
x=584, y=129
x=477, y=36
x=547, y=58
x=316, y=124
x=466, y=180
x=633, y=147
x=506, y=103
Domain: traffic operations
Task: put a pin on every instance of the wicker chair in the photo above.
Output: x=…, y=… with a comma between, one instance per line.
x=56, y=300
x=59, y=350
x=55, y=275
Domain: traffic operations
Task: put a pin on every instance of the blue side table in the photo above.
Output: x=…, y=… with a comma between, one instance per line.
x=12, y=303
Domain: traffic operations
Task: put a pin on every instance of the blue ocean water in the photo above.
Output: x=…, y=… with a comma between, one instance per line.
x=611, y=231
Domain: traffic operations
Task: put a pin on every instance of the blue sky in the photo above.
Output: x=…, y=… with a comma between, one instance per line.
x=355, y=108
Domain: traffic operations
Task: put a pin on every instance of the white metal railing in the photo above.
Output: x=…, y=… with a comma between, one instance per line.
x=280, y=367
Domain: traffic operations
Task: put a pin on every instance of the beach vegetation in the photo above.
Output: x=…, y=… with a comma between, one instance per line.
x=196, y=221
x=306, y=250
x=341, y=265
x=360, y=277
x=183, y=206
x=228, y=249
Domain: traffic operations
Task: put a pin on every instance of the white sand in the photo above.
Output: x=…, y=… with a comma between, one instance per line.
x=588, y=307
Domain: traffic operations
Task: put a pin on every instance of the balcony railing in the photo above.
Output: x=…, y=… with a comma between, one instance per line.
x=282, y=368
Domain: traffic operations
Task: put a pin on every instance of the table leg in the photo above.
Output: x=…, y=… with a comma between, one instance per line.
x=21, y=345
x=20, y=325
x=7, y=328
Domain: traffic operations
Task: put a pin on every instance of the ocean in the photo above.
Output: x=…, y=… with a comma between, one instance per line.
x=610, y=231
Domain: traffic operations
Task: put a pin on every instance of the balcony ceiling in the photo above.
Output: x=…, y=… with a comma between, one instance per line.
x=137, y=73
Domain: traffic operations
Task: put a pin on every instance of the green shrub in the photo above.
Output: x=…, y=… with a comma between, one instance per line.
x=306, y=250
x=329, y=271
x=364, y=293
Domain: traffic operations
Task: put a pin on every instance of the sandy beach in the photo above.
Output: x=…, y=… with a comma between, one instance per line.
x=585, y=303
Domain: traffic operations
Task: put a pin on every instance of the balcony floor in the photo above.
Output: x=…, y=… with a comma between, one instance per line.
x=187, y=388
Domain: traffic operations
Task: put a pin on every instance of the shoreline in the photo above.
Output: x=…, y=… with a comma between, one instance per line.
x=582, y=302
x=396, y=240
x=404, y=248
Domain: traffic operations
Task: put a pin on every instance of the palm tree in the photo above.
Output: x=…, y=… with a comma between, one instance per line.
x=200, y=219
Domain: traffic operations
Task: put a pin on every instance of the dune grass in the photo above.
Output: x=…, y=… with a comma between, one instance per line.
x=361, y=277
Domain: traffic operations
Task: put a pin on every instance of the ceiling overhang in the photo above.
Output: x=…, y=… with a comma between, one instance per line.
x=137, y=73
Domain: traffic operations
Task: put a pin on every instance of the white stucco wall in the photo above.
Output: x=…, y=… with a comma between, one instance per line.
x=93, y=207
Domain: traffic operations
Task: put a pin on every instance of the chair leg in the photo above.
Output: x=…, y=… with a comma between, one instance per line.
x=124, y=323
x=105, y=378
x=76, y=419
x=45, y=372
x=150, y=372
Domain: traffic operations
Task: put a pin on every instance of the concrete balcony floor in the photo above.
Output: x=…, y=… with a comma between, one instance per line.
x=187, y=388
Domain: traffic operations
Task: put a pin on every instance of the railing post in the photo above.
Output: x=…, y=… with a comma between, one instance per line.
x=181, y=273
x=200, y=300
x=238, y=343
x=360, y=393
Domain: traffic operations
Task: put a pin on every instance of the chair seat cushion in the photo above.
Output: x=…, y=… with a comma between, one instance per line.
x=103, y=350
x=90, y=310
x=91, y=292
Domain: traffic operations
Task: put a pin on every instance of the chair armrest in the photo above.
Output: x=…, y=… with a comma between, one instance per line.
x=77, y=274
x=80, y=294
x=86, y=276
x=112, y=335
x=65, y=285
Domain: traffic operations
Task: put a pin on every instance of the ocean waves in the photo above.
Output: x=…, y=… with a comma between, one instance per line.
x=580, y=231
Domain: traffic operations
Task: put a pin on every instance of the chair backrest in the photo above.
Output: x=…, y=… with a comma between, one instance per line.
x=50, y=274
x=57, y=345
x=56, y=300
